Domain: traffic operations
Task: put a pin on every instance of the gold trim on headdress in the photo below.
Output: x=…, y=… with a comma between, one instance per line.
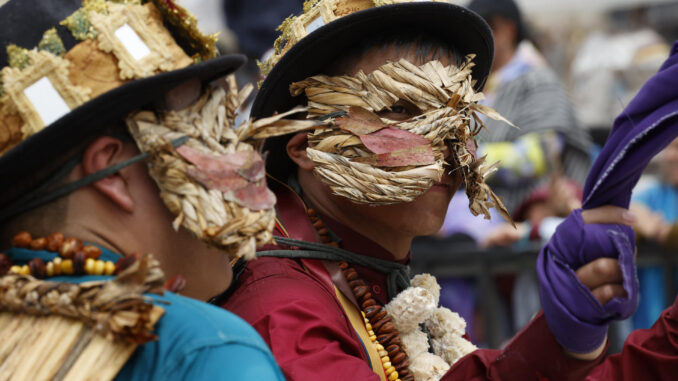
x=138, y=20
x=316, y=14
x=42, y=65
x=99, y=63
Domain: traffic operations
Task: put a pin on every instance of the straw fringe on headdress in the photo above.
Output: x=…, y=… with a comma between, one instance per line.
x=95, y=326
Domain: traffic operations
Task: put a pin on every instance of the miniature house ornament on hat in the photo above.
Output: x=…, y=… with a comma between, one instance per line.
x=86, y=65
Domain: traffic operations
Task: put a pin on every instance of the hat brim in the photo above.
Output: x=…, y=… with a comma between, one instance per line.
x=462, y=28
x=94, y=116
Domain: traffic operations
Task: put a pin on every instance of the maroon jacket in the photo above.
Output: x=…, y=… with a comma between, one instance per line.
x=292, y=304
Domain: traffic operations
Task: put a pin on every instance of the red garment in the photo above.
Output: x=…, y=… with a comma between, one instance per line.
x=648, y=354
x=292, y=304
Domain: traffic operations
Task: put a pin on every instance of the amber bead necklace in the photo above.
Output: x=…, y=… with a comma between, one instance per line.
x=378, y=324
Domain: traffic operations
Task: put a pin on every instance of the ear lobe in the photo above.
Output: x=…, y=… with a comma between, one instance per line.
x=296, y=150
x=102, y=153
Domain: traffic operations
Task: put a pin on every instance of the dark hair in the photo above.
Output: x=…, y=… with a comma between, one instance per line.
x=426, y=46
x=506, y=9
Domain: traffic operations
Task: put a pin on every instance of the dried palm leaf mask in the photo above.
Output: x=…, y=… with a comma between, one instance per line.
x=215, y=182
x=373, y=160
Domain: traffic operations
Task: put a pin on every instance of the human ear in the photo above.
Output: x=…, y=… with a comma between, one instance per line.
x=101, y=154
x=296, y=150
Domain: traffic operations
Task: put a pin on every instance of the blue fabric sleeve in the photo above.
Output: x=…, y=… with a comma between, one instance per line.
x=226, y=362
x=644, y=197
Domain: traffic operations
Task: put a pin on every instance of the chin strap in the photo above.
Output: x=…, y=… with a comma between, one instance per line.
x=397, y=275
x=40, y=196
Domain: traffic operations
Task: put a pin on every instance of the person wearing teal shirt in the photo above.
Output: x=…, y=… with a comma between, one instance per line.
x=196, y=341
x=656, y=206
x=80, y=159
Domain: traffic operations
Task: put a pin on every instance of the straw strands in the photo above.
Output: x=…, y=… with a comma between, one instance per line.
x=215, y=183
x=76, y=331
x=217, y=216
x=448, y=120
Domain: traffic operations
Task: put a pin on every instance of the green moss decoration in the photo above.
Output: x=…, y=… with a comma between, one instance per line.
x=18, y=56
x=51, y=42
x=79, y=25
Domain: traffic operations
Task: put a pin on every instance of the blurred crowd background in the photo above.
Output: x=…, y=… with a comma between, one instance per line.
x=563, y=71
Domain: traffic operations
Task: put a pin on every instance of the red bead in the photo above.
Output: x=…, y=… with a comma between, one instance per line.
x=5, y=264
x=54, y=241
x=22, y=239
x=371, y=311
x=39, y=243
x=392, y=350
x=125, y=262
x=398, y=357
x=92, y=251
x=79, y=262
x=175, y=284
x=70, y=247
x=367, y=303
x=38, y=268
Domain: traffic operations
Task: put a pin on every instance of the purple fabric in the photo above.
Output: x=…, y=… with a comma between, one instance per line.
x=578, y=321
x=647, y=125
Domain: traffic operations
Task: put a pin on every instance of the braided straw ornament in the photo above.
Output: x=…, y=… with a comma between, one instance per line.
x=221, y=217
x=115, y=309
x=448, y=103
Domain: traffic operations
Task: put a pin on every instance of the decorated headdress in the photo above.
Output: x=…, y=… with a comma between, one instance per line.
x=359, y=155
x=72, y=67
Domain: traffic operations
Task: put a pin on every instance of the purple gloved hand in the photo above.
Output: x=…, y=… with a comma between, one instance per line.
x=577, y=320
x=647, y=125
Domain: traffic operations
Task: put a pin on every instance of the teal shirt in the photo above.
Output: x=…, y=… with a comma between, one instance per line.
x=196, y=341
x=660, y=198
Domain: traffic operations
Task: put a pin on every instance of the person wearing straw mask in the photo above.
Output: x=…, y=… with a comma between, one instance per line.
x=111, y=132
x=397, y=85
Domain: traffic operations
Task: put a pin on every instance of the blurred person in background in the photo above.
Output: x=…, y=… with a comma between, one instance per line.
x=612, y=63
x=548, y=150
x=527, y=92
x=656, y=206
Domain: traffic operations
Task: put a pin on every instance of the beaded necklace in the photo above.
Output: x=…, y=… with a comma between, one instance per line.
x=383, y=334
x=74, y=258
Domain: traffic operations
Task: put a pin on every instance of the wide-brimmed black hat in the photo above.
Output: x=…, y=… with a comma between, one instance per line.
x=461, y=28
x=24, y=23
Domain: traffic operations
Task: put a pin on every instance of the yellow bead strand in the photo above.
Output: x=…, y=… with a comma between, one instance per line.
x=389, y=370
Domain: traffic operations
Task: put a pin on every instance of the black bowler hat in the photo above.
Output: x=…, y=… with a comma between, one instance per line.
x=337, y=25
x=98, y=63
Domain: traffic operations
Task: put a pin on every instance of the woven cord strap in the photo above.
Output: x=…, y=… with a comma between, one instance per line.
x=397, y=275
x=41, y=197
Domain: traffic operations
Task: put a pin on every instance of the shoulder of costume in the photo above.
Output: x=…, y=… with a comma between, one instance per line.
x=78, y=331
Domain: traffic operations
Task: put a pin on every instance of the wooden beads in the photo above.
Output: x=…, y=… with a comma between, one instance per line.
x=54, y=241
x=37, y=268
x=22, y=239
x=380, y=328
x=5, y=264
x=74, y=257
x=69, y=248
